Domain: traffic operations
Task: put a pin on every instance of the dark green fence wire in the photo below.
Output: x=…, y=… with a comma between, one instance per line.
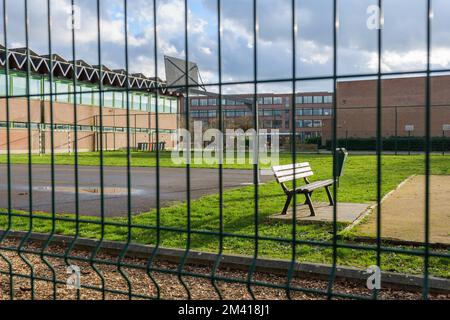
x=123, y=265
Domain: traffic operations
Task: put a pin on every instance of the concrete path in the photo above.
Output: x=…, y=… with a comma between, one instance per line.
x=403, y=212
x=173, y=188
x=346, y=212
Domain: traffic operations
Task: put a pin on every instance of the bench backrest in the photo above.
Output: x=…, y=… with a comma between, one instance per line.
x=290, y=172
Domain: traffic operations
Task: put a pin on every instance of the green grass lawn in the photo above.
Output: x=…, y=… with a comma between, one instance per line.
x=357, y=185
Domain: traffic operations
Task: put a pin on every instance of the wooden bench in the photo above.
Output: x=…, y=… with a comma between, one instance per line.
x=302, y=170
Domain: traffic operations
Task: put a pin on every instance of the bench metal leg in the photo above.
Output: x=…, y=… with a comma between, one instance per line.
x=330, y=197
x=310, y=204
x=288, y=202
x=310, y=195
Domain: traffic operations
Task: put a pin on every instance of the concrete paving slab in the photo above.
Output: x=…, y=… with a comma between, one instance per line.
x=403, y=212
x=346, y=213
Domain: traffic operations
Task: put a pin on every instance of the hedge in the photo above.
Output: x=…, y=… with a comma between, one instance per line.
x=438, y=144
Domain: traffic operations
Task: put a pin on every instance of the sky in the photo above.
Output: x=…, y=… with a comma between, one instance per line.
x=403, y=37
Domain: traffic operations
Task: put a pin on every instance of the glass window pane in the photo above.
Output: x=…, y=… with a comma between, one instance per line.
x=161, y=105
x=317, y=123
x=19, y=85
x=152, y=104
x=2, y=84
x=63, y=88
x=35, y=88
x=47, y=90
x=144, y=103
x=86, y=97
x=307, y=123
x=136, y=101
x=307, y=99
x=318, y=99
x=108, y=99
x=167, y=105
x=268, y=100
x=277, y=100
x=317, y=111
x=328, y=99
x=174, y=106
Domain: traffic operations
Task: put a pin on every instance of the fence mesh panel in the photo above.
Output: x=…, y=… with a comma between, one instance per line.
x=34, y=256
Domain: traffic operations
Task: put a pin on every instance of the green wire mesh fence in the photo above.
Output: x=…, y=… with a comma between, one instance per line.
x=40, y=249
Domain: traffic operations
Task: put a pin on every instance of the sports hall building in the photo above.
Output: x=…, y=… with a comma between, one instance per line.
x=76, y=106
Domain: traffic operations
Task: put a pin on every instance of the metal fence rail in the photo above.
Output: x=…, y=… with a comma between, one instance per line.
x=33, y=254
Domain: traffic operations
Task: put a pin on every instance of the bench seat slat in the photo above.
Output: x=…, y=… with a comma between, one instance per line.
x=315, y=185
x=298, y=171
x=296, y=176
x=290, y=166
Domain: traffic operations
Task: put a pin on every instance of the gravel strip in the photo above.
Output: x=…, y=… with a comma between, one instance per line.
x=140, y=284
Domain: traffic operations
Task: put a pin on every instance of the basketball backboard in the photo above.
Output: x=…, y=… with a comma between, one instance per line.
x=176, y=74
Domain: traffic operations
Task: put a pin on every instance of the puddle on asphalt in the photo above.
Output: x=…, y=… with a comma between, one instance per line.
x=87, y=190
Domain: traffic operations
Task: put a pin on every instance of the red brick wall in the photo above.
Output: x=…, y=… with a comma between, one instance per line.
x=403, y=103
x=63, y=113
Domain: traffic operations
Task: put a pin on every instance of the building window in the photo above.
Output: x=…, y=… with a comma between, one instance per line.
x=86, y=96
x=299, y=123
x=46, y=94
x=194, y=102
x=167, y=106
x=212, y=102
x=152, y=103
x=230, y=102
x=307, y=112
x=144, y=103
x=229, y=113
x=327, y=112
x=62, y=89
x=277, y=100
x=108, y=99
x=136, y=102
x=299, y=100
x=307, y=99
x=3, y=84
x=212, y=113
x=120, y=100
x=317, y=123
x=161, y=104
x=174, y=106
x=318, y=99
x=35, y=88
x=268, y=100
x=203, y=102
x=317, y=112
x=299, y=112
x=307, y=123
x=19, y=85
x=75, y=93
x=328, y=99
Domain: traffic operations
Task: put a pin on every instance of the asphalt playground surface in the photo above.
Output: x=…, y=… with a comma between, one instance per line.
x=173, y=187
